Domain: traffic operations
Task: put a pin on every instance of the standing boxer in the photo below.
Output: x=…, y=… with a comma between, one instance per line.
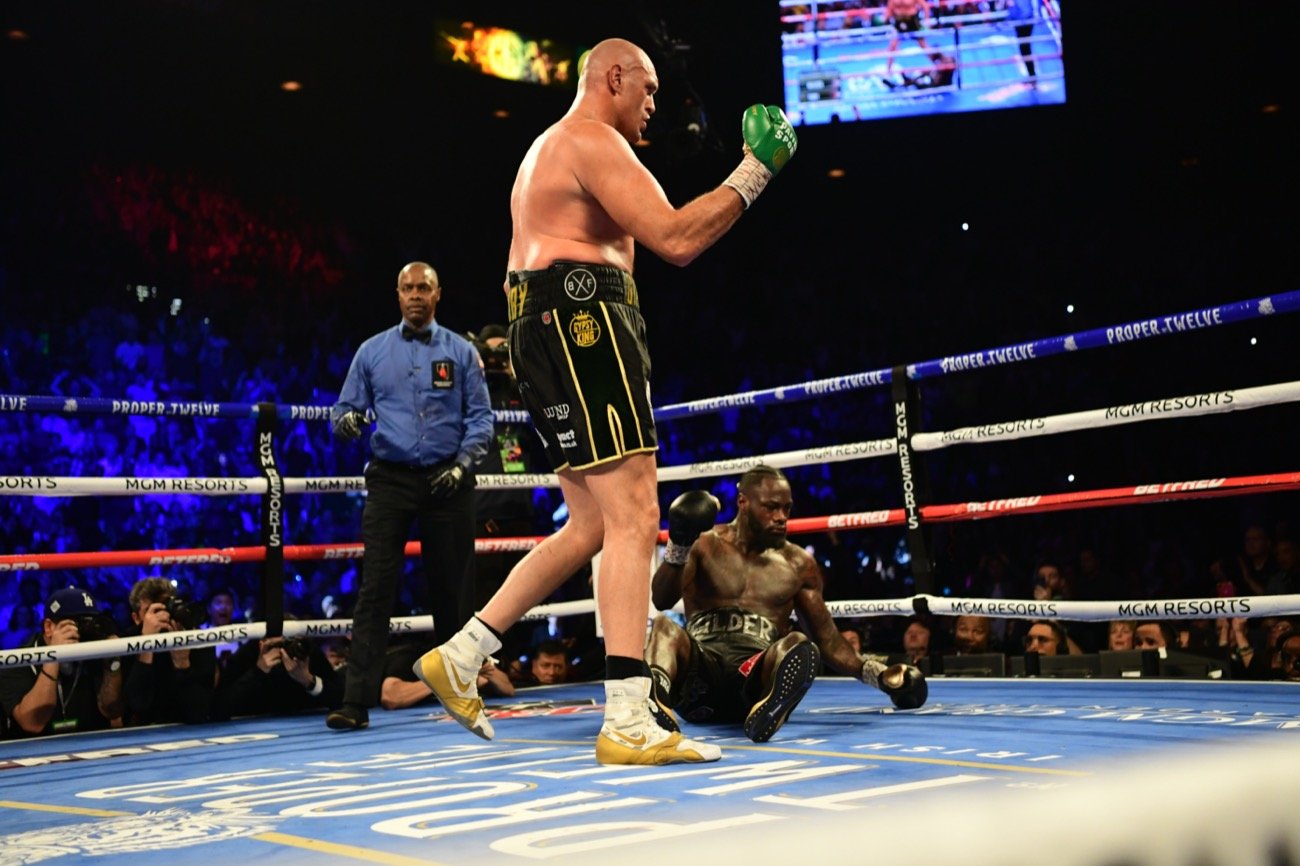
x=737, y=660
x=581, y=202
x=907, y=16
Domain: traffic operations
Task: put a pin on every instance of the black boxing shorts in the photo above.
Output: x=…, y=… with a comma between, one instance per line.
x=908, y=24
x=578, y=348
x=722, y=680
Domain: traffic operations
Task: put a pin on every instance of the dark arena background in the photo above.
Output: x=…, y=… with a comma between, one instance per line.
x=1034, y=315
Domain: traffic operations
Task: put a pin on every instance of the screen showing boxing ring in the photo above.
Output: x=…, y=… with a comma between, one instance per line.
x=850, y=60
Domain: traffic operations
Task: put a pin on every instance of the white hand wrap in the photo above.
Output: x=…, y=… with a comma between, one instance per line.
x=871, y=671
x=675, y=554
x=749, y=178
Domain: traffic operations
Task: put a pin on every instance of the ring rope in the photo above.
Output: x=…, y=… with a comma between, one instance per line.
x=1008, y=608
x=1096, y=338
x=1130, y=332
x=1107, y=497
x=1185, y=406
x=1192, y=405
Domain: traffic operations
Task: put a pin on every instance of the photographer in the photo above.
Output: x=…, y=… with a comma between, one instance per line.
x=514, y=449
x=172, y=686
x=55, y=698
x=290, y=675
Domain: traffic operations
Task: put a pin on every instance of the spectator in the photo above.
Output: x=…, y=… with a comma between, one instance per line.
x=1049, y=583
x=1154, y=634
x=29, y=597
x=61, y=697
x=221, y=612
x=916, y=640
x=1048, y=637
x=972, y=634
x=1289, y=657
x=1256, y=562
x=1120, y=634
x=549, y=664
x=1286, y=578
x=23, y=626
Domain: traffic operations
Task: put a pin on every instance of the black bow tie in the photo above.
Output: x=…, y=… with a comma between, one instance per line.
x=409, y=333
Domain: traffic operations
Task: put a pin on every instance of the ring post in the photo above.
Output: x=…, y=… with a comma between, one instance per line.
x=272, y=520
x=916, y=487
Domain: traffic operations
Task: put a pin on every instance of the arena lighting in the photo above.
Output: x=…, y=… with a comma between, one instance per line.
x=18, y=35
x=836, y=172
x=290, y=86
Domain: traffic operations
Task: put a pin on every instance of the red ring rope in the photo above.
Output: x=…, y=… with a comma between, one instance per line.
x=1131, y=495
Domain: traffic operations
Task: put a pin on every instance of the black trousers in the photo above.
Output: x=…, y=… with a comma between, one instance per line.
x=396, y=497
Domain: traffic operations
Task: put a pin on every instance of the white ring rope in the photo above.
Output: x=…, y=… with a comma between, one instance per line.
x=1193, y=405
x=193, y=639
x=1187, y=406
x=999, y=608
x=58, y=485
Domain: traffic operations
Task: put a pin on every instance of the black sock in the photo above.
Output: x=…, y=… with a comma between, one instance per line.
x=495, y=633
x=622, y=667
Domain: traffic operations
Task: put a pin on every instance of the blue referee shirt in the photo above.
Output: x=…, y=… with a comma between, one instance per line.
x=431, y=401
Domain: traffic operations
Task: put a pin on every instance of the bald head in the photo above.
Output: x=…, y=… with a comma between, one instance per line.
x=617, y=87
x=609, y=53
x=417, y=272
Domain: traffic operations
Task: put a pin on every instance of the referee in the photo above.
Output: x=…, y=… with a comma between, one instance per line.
x=433, y=424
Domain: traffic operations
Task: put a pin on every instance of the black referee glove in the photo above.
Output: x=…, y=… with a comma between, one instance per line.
x=446, y=483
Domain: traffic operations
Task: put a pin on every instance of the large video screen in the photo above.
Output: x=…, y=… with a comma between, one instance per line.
x=508, y=54
x=850, y=60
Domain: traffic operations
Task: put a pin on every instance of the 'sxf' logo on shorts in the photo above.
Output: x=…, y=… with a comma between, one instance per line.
x=584, y=329
x=580, y=284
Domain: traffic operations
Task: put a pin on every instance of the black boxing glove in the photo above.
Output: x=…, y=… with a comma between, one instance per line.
x=693, y=512
x=904, y=684
x=448, y=482
x=349, y=426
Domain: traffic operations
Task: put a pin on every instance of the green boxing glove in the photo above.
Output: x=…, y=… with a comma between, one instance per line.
x=770, y=141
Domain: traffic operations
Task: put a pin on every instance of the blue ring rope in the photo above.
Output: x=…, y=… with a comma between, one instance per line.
x=1130, y=332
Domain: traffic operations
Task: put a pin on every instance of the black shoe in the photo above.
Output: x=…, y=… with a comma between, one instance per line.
x=790, y=682
x=350, y=718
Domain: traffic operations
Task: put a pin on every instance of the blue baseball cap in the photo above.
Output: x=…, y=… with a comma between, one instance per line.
x=70, y=602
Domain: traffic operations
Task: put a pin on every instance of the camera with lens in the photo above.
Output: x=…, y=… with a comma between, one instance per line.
x=296, y=647
x=186, y=615
x=96, y=626
x=496, y=359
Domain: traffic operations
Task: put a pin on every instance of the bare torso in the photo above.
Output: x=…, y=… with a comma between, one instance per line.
x=764, y=582
x=554, y=217
x=903, y=8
